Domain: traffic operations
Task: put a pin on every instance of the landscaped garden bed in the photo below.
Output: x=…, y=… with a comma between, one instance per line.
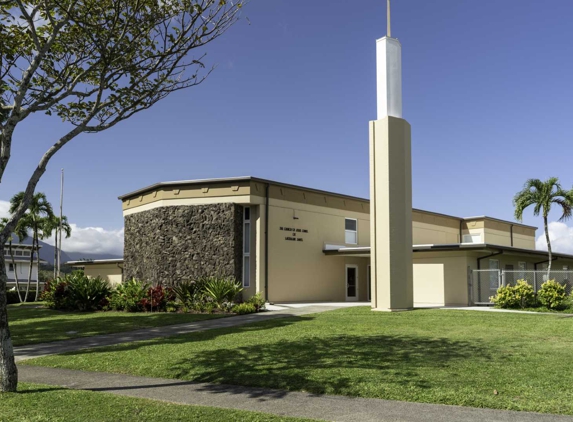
x=496, y=360
x=77, y=292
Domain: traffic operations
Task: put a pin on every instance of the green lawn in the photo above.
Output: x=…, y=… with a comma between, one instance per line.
x=30, y=324
x=40, y=403
x=434, y=356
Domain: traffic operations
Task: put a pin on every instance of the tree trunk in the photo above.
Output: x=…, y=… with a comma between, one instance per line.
x=15, y=271
x=30, y=269
x=37, y=272
x=548, y=246
x=8, y=369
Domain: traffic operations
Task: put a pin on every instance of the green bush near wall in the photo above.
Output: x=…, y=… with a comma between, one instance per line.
x=551, y=296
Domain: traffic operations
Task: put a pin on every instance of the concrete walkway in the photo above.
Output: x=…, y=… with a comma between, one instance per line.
x=276, y=402
x=56, y=347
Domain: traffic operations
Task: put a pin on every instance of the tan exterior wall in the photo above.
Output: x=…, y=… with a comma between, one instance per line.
x=110, y=272
x=441, y=279
x=299, y=270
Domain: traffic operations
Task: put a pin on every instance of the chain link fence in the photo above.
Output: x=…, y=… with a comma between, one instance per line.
x=484, y=283
x=537, y=278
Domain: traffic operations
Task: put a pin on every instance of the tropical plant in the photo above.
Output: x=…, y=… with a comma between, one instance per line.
x=92, y=64
x=129, y=296
x=157, y=298
x=34, y=220
x=222, y=290
x=77, y=292
x=543, y=195
x=51, y=227
x=188, y=292
x=552, y=295
x=20, y=232
x=257, y=301
x=244, y=308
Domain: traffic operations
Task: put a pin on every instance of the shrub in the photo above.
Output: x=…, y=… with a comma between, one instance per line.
x=244, y=308
x=157, y=298
x=129, y=296
x=222, y=290
x=188, y=292
x=257, y=301
x=552, y=295
x=88, y=294
x=76, y=292
x=12, y=296
x=519, y=296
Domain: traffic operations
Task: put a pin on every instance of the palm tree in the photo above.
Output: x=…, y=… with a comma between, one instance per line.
x=34, y=219
x=51, y=226
x=20, y=232
x=543, y=195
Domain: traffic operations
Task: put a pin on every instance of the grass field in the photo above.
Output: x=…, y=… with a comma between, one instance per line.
x=495, y=360
x=30, y=324
x=39, y=403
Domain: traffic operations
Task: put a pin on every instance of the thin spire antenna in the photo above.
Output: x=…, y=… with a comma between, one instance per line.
x=389, y=34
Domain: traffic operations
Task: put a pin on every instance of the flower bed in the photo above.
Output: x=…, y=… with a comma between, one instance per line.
x=77, y=292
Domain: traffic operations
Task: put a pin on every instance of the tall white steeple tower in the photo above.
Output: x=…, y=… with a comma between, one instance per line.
x=390, y=185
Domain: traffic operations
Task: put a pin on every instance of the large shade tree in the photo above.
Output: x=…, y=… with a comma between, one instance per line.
x=93, y=64
x=543, y=196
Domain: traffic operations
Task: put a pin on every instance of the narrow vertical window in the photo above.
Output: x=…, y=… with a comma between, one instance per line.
x=247, y=247
x=351, y=231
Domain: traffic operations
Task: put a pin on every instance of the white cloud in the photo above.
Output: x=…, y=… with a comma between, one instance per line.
x=88, y=240
x=561, y=236
x=92, y=240
x=4, y=207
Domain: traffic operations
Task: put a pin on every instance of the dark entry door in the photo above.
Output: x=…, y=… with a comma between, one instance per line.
x=351, y=282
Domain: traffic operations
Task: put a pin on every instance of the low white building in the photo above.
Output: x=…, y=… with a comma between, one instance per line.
x=20, y=266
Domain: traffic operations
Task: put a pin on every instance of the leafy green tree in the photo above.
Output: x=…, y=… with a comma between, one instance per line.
x=51, y=227
x=39, y=212
x=93, y=64
x=542, y=196
x=22, y=235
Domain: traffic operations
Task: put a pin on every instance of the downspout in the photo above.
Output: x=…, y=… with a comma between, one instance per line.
x=267, y=242
x=511, y=234
x=461, y=236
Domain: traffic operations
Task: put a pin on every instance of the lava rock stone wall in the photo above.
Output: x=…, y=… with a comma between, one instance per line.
x=182, y=243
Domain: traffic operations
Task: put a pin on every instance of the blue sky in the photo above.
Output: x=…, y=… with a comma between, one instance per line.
x=487, y=89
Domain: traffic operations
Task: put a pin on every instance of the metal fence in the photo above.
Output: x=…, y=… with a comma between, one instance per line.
x=484, y=283
x=537, y=278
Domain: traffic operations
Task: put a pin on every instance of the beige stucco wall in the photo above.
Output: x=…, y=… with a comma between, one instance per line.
x=110, y=272
x=299, y=270
x=441, y=279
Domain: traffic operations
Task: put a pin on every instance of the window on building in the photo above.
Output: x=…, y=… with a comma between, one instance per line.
x=351, y=231
x=19, y=253
x=247, y=247
x=11, y=267
x=26, y=253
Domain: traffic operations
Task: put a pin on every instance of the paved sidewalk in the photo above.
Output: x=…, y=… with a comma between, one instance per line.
x=276, y=402
x=44, y=349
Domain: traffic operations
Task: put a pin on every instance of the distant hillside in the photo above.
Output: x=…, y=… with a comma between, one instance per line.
x=47, y=253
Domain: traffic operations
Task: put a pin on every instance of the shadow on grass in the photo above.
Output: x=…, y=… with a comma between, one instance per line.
x=344, y=365
x=333, y=365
